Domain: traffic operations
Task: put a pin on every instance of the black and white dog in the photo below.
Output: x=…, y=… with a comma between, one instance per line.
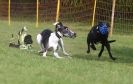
x=53, y=40
x=99, y=34
x=24, y=39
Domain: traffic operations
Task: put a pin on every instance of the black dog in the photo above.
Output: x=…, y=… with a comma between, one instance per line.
x=99, y=34
x=28, y=39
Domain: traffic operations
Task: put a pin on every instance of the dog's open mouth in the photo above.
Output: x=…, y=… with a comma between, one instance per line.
x=73, y=35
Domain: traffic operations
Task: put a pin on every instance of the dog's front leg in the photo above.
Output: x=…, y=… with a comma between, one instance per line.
x=44, y=53
x=62, y=47
x=102, y=48
x=55, y=48
x=108, y=48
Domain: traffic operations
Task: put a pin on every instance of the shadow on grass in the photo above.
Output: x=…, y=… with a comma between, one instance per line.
x=122, y=54
x=91, y=57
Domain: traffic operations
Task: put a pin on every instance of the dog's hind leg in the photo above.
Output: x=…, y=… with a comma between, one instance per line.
x=108, y=48
x=93, y=46
x=39, y=41
x=100, y=53
x=42, y=49
x=45, y=53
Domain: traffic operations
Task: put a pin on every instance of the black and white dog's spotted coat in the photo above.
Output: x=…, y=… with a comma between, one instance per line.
x=24, y=40
x=53, y=40
x=99, y=34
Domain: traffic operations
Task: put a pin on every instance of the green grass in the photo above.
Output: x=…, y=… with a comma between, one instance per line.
x=27, y=67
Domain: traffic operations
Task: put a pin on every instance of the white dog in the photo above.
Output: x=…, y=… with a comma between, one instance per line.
x=53, y=40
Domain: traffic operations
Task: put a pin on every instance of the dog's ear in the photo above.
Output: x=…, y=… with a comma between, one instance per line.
x=55, y=23
x=58, y=26
x=25, y=28
x=58, y=23
x=65, y=27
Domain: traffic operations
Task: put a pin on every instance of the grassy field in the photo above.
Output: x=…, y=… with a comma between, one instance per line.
x=27, y=67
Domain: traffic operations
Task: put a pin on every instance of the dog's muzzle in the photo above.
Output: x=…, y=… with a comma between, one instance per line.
x=73, y=35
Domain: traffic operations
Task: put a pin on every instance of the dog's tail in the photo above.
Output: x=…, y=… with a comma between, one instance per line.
x=111, y=41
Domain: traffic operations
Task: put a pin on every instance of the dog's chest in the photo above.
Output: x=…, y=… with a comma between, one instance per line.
x=53, y=40
x=97, y=37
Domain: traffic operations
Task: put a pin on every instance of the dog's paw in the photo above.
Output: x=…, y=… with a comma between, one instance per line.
x=59, y=57
x=44, y=56
x=69, y=57
x=40, y=51
x=65, y=53
x=113, y=58
x=93, y=47
x=88, y=51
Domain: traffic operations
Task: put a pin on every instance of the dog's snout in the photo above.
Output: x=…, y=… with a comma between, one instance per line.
x=74, y=35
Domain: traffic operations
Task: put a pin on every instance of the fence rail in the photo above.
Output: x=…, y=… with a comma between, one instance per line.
x=86, y=11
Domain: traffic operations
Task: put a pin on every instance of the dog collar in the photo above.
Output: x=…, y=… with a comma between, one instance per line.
x=58, y=35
